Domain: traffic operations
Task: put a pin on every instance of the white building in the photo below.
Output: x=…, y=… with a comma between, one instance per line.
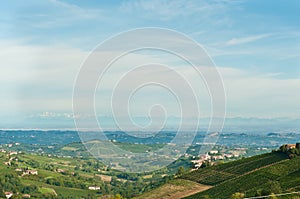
x=214, y=152
x=94, y=187
x=8, y=194
x=228, y=155
x=30, y=172
x=205, y=156
x=13, y=153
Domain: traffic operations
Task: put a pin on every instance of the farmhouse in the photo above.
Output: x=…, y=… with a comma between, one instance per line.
x=26, y=196
x=7, y=163
x=197, y=161
x=13, y=153
x=94, y=187
x=205, y=156
x=198, y=165
x=228, y=155
x=218, y=157
x=291, y=146
x=61, y=171
x=30, y=172
x=214, y=152
x=8, y=194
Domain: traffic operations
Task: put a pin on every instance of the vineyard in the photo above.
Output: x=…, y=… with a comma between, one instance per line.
x=283, y=176
x=220, y=173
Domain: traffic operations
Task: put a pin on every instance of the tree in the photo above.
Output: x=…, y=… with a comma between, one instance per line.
x=205, y=164
x=258, y=192
x=291, y=156
x=275, y=187
x=295, y=197
x=91, y=196
x=2, y=195
x=118, y=196
x=283, y=148
x=180, y=171
x=237, y=195
x=272, y=196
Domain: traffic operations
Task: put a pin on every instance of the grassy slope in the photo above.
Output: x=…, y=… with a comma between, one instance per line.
x=175, y=189
x=286, y=172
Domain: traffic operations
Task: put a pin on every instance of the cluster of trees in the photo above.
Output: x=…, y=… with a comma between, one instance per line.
x=11, y=182
x=290, y=151
x=133, y=186
x=271, y=188
x=268, y=190
x=130, y=189
x=239, y=195
x=66, y=183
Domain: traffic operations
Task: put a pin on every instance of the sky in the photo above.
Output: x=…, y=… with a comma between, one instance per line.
x=254, y=44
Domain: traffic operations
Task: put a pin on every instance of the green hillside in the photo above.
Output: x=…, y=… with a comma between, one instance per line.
x=256, y=176
x=43, y=176
x=67, y=171
x=56, y=177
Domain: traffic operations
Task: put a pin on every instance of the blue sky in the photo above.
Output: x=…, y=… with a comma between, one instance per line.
x=255, y=45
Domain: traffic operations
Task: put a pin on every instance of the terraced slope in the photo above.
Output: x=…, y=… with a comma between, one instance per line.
x=281, y=176
x=220, y=173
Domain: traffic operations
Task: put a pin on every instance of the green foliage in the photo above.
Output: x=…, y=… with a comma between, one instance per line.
x=139, y=148
x=272, y=196
x=118, y=196
x=29, y=189
x=205, y=164
x=291, y=152
x=180, y=171
x=70, y=178
x=237, y=196
x=10, y=182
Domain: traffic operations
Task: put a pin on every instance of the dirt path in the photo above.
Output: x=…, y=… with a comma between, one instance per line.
x=175, y=190
x=189, y=192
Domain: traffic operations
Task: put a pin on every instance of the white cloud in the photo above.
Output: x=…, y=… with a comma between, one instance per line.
x=245, y=40
x=55, y=14
x=40, y=79
x=252, y=95
x=167, y=10
x=37, y=77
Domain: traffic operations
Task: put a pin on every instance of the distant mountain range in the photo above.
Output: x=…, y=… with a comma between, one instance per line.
x=232, y=124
